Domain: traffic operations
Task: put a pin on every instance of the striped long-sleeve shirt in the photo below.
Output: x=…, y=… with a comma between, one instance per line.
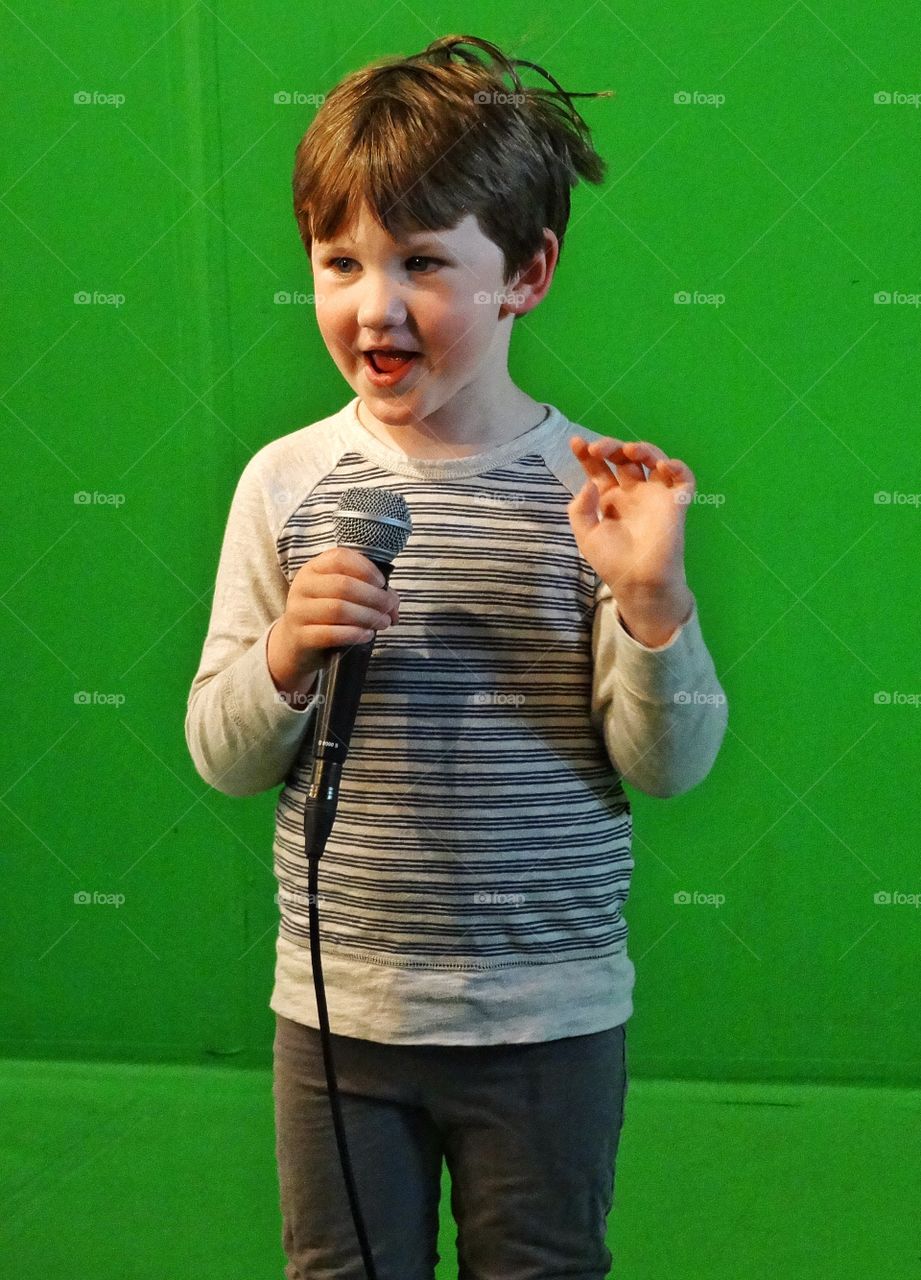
x=472, y=886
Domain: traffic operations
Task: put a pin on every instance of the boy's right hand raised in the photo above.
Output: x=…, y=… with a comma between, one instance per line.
x=336, y=599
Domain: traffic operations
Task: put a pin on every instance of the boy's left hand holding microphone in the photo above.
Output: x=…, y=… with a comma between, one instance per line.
x=630, y=528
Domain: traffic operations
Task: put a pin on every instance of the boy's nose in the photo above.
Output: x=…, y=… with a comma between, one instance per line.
x=381, y=309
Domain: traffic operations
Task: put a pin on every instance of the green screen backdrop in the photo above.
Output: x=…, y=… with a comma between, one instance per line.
x=742, y=291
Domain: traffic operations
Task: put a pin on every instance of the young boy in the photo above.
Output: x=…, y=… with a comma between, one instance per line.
x=539, y=645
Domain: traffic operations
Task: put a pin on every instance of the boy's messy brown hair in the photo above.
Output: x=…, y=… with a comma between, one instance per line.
x=425, y=141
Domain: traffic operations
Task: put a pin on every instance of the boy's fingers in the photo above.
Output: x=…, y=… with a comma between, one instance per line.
x=356, y=562
x=348, y=560
x=596, y=468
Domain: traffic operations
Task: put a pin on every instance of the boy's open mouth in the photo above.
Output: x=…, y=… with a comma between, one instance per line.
x=388, y=361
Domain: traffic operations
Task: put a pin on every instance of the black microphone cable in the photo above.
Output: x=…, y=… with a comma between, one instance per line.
x=375, y=522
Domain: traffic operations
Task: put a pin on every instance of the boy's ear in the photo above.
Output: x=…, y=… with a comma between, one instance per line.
x=526, y=289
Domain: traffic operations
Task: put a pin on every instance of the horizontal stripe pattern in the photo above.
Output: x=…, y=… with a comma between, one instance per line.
x=480, y=820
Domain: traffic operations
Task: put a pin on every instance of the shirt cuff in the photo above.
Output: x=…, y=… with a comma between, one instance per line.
x=669, y=672
x=653, y=648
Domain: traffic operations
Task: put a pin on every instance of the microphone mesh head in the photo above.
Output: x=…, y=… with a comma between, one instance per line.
x=373, y=521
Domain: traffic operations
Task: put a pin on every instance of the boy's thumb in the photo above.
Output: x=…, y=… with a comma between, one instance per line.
x=583, y=510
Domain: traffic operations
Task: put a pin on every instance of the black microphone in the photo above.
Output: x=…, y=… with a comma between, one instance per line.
x=375, y=522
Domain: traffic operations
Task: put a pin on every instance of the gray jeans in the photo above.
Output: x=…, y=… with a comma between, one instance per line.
x=529, y=1133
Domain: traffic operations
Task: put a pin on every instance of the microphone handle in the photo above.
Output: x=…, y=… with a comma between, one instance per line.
x=340, y=684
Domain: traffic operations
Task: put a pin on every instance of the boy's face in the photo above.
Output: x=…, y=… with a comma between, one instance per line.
x=437, y=293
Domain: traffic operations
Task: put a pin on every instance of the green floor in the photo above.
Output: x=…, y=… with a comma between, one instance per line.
x=168, y=1173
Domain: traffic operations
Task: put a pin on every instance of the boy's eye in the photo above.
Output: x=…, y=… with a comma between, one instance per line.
x=416, y=257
